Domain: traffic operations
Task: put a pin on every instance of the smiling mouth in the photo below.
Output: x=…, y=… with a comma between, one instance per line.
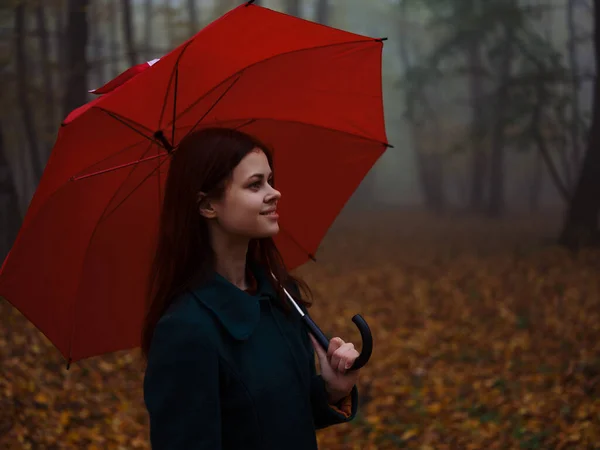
x=269, y=213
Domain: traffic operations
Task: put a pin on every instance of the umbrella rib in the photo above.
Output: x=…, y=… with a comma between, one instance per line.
x=164, y=105
x=175, y=101
x=248, y=122
x=316, y=47
x=102, y=218
x=124, y=120
x=122, y=166
x=127, y=121
x=358, y=136
x=78, y=176
x=211, y=108
x=106, y=216
x=130, y=163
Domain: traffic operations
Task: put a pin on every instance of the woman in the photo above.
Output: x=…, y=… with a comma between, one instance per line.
x=229, y=364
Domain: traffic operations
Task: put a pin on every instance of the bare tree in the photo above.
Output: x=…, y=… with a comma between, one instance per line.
x=113, y=31
x=537, y=177
x=23, y=90
x=292, y=7
x=9, y=203
x=581, y=222
x=575, y=85
x=423, y=121
x=49, y=105
x=59, y=41
x=148, y=30
x=193, y=17
x=128, y=32
x=496, y=204
x=169, y=22
x=77, y=65
x=322, y=14
x=99, y=56
x=478, y=154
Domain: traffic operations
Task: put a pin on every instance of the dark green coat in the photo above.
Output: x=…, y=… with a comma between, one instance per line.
x=230, y=371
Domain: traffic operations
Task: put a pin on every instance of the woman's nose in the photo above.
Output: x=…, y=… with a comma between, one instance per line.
x=273, y=195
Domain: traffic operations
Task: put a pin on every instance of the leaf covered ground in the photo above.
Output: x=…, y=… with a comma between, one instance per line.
x=484, y=337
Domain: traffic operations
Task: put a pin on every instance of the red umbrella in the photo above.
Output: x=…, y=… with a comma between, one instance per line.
x=313, y=93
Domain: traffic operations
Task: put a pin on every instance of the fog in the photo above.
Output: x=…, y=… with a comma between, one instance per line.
x=454, y=147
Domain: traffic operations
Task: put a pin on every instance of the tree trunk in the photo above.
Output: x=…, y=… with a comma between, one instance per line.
x=292, y=7
x=193, y=17
x=10, y=217
x=49, y=105
x=429, y=163
x=574, y=67
x=478, y=155
x=535, y=189
x=77, y=66
x=128, y=33
x=59, y=45
x=581, y=223
x=322, y=15
x=169, y=23
x=430, y=170
x=497, y=204
x=148, y=30
x=99, y=54
x=114, y=42
x=23, y=90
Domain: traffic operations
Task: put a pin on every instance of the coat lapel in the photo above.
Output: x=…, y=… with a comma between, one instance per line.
x=237, y=310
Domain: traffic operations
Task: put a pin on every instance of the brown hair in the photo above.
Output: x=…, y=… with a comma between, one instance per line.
x=203, y=162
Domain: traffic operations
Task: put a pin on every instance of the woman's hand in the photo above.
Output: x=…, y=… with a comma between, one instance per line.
x=334, y=364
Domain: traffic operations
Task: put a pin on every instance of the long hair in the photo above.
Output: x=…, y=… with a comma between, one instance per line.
x=203, y=162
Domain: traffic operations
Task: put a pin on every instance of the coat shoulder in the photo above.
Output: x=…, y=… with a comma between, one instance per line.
x=186, y=312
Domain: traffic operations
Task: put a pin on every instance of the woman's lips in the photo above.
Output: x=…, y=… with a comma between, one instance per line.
x=271, y=214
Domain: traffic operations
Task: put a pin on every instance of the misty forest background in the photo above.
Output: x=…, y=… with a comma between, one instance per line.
x=457, y=248
x=489, y=104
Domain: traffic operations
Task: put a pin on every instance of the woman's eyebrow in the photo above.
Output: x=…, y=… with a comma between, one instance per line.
x=259, y=175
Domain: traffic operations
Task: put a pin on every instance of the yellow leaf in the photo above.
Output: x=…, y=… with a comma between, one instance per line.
x=42, y=398
x=65, y=418
x=574, y=437
x=374, y=420
x=409, y=434
x=434, y=408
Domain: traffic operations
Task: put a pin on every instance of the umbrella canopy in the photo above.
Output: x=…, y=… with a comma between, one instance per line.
x=312, y=93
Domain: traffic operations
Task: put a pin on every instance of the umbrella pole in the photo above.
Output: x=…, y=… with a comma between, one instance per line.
x=312, y=326
x=361, y=324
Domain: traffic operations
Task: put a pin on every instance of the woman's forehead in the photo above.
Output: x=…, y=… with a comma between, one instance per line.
x=254, y=163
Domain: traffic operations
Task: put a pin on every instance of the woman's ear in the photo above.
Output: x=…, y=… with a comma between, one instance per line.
x=205, y=207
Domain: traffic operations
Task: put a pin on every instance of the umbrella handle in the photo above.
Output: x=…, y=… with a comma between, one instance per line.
x=365, y=333
x=361, y=324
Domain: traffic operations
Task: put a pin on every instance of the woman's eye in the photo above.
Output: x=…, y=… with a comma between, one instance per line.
x=255, y=185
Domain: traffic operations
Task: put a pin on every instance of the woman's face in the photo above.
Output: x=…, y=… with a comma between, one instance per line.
x=249, y=203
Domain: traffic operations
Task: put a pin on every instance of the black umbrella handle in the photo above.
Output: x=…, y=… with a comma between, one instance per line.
x=365, y=333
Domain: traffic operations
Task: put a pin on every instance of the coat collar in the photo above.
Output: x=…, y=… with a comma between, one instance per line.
x=237, y=310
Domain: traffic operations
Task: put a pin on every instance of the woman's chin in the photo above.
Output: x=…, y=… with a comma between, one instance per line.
x=269, y=231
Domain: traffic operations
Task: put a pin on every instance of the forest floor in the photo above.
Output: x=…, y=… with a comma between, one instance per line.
x=485, y=336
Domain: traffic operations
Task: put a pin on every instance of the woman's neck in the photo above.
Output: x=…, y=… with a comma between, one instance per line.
x=230, y=258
